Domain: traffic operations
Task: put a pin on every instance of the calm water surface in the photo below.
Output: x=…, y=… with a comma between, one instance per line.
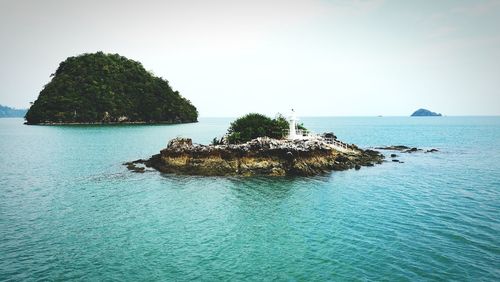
x=70, y=210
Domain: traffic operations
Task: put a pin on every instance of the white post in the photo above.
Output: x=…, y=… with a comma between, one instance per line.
x=293, y=126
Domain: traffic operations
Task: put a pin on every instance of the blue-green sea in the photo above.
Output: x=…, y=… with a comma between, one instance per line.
x=69, y=209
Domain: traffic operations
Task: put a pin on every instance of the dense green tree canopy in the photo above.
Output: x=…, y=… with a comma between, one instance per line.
x=255, y=125
x=102, y=87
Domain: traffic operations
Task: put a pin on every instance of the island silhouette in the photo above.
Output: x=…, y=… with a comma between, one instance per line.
x=425, y=113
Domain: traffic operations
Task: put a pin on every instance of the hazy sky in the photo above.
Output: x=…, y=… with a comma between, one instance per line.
x=232, y=57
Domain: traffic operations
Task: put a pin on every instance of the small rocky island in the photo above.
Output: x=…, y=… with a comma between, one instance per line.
x=103, y=88
x=243, y=151
x=261, y=156
x=425, y=113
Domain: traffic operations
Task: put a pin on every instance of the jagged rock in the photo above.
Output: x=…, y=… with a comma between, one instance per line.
x=133, y=167
x=180, y=143
x=412, y=150
x=403, y=149
x=394, y=148
x=260, y=156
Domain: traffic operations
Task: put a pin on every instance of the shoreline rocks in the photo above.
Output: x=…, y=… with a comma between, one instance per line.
x=405, y=149
x=133, y=166
x=260, y=156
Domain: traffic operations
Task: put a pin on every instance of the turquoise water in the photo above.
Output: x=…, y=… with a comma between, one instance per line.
x=70, y=211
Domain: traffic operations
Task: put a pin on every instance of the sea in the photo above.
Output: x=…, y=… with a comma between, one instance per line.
x=70, y=209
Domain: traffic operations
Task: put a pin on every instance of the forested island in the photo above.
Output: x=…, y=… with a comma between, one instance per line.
x=108, y=88
x=11, y=112
x=425, y=113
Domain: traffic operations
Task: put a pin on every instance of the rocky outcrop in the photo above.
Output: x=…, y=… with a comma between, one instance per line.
x=261, y=156
x=136, y=166
x=394, y=148
x=405, y=149
x=412, y=150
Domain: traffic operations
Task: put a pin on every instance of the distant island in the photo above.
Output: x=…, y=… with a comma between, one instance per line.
x=11, y=112
x=108, y=88
x=425, y=113
x=258, y=145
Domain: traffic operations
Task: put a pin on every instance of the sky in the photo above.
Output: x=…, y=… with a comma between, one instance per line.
x=231, y=57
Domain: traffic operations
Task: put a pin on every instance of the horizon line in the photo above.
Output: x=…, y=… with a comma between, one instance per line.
x=326, y=116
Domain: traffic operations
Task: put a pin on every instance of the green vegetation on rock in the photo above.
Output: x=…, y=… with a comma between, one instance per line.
x=255, y=125
x=101, y=88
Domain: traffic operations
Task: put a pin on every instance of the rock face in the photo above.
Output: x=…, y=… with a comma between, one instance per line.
x=425, y=113
x=261, y=156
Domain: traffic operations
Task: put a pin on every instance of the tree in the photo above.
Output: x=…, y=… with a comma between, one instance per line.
x=255, y=125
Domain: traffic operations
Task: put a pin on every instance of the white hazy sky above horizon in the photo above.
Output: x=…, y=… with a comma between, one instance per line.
x=323, y=58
